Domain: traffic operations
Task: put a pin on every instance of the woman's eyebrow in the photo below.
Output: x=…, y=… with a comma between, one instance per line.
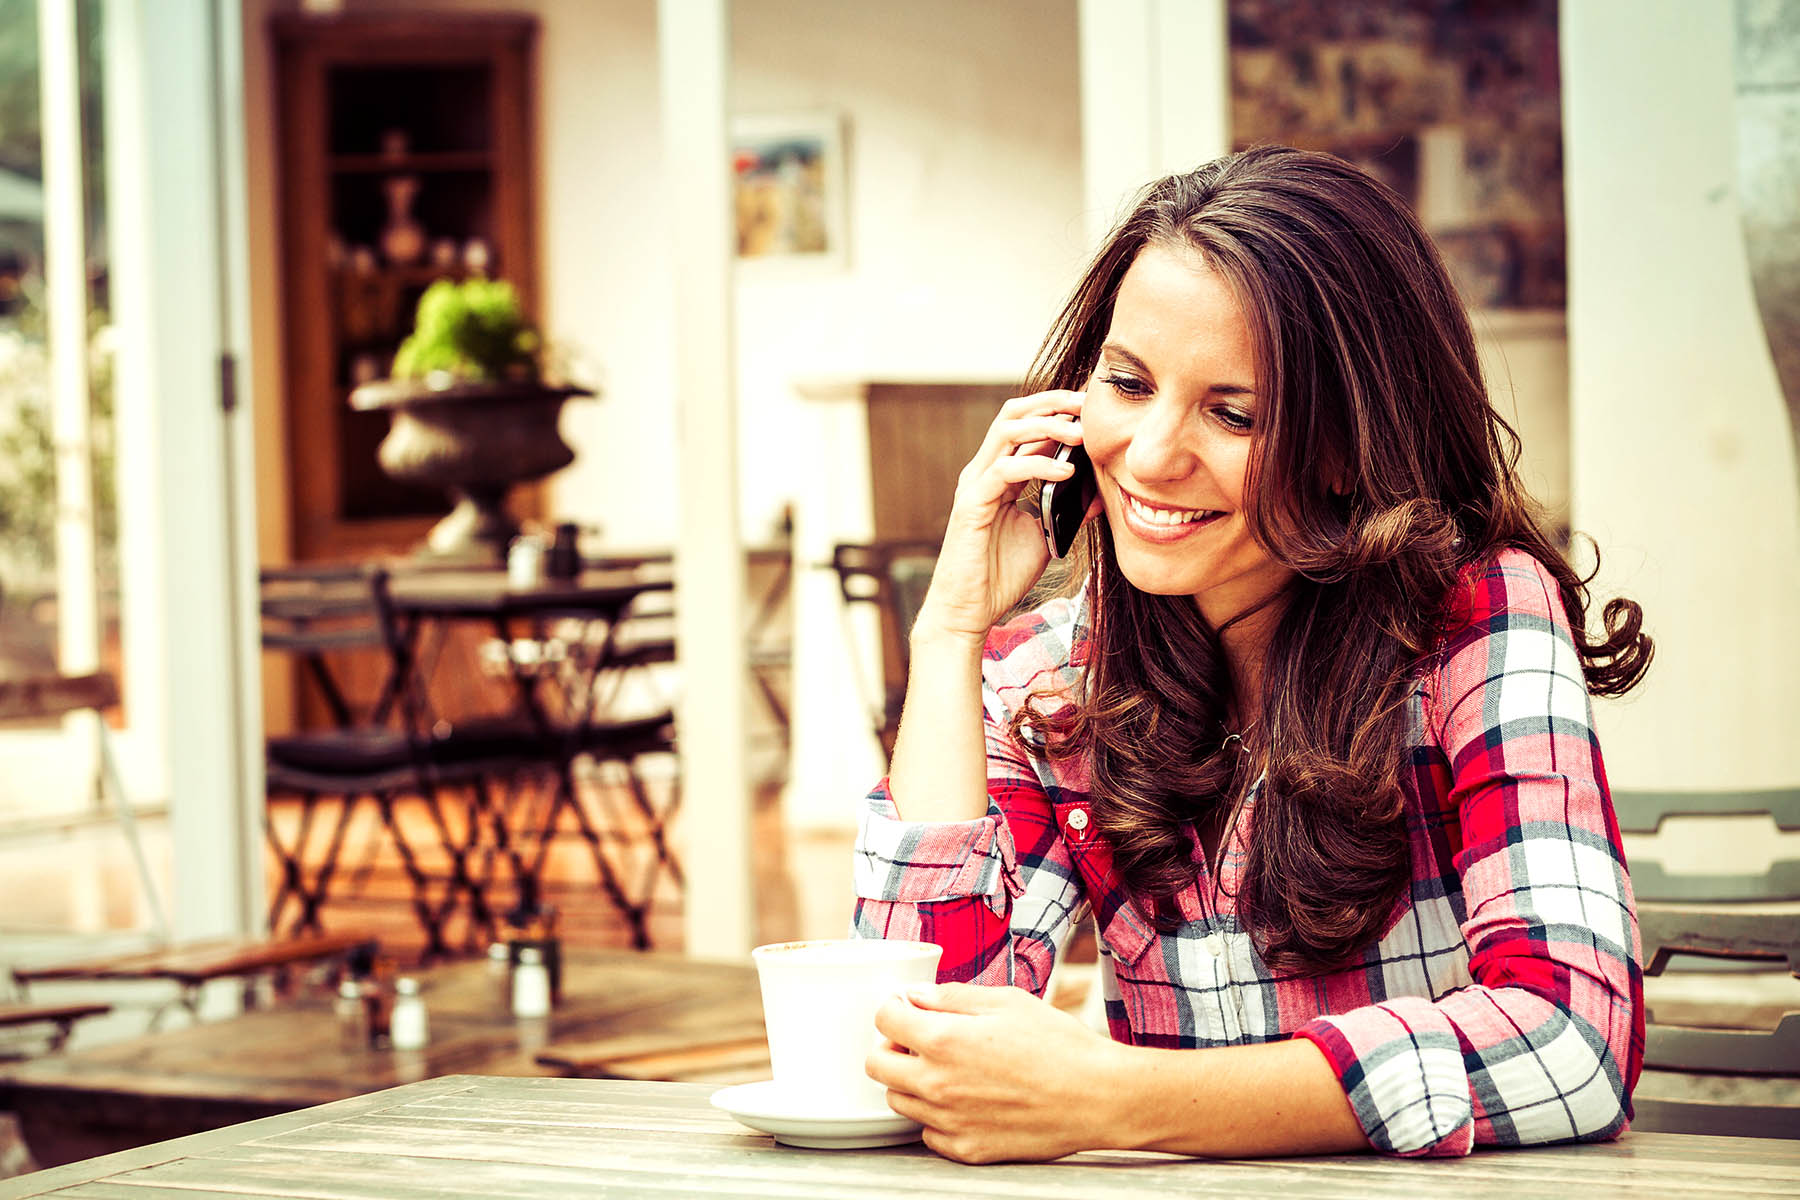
x=1133, y=361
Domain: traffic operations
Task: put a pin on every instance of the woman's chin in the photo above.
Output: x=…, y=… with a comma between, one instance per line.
x=1156, y=578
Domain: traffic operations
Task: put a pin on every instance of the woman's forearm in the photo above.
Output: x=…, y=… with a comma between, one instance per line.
x=939, y=769
x=1268, y=1100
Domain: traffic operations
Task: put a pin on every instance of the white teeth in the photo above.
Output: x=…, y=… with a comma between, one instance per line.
x=1164, y=516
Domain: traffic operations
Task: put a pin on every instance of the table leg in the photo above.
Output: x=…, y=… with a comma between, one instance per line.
x=655, y=821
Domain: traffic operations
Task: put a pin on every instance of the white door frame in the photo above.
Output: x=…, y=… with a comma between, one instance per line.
x=176, y=219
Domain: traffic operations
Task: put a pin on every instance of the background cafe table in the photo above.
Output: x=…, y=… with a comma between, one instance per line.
x=471, y=1136
x=616, y=1005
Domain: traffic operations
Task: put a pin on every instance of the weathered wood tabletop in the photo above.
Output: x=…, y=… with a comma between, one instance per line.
x=79, y=1104
x=475, y=1136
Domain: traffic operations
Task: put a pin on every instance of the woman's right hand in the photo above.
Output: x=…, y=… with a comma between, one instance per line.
x=993, y=551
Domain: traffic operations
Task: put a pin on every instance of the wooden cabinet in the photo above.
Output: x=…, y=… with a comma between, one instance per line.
x=405, y=156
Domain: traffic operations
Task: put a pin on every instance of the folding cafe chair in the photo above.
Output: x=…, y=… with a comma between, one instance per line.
x=190, y=965
x=561, y=729
x=384, y=757
x=591, y=739
x=1719, y=1065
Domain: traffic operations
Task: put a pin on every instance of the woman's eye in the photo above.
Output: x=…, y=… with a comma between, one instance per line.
x=1236, y=419
x=1126, y=385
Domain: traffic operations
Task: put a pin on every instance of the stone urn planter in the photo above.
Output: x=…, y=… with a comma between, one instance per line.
x=475, y=440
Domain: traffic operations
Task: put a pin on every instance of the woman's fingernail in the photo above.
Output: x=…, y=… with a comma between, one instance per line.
x=918, y=995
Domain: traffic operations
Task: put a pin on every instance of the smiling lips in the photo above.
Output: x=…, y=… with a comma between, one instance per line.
x=1155, y=523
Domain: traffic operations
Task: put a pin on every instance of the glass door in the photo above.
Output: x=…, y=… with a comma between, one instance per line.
x=59, y=565
x=126, y=516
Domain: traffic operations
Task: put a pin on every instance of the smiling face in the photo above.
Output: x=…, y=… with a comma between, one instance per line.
x=1168, y=422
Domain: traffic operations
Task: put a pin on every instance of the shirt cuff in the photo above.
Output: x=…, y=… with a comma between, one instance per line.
x=917, y=862
x=1402, y=1069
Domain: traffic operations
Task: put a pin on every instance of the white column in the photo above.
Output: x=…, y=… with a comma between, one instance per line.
x=242, y=555
x=694, y=40
x=169, y=233
x=1155, y=96
x=1682, y=467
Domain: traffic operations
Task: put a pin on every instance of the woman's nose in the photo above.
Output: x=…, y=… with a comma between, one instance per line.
x=1159, y=446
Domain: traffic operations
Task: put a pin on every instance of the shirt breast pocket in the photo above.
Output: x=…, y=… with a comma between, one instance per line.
x=1125, y=934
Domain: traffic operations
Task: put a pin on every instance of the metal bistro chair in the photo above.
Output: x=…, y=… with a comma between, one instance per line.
x=1725, y=1067
x=563, y=652
x=309, y=612
x=894, y=577
x=592, y=738
x=387, y=756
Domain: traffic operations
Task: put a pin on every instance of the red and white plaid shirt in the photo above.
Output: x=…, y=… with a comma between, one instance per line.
x=1502, y=1005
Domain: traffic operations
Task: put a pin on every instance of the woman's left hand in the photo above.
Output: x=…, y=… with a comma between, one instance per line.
x=993, y=1074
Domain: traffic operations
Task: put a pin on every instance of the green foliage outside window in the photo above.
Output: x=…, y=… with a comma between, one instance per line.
x=27, y=450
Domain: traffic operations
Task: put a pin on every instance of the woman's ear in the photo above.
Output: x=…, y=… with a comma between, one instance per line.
x=1339, y=480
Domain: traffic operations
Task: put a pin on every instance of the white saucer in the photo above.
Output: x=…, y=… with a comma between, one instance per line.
x=763, y=1107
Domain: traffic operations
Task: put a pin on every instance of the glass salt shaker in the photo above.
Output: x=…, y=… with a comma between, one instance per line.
x=531, y=984
x=525, y=561
x=408, y=1029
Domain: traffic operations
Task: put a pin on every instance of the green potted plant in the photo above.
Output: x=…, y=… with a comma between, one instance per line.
x=470, y=410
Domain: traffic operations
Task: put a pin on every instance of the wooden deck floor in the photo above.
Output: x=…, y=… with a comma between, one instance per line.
x=801, y=882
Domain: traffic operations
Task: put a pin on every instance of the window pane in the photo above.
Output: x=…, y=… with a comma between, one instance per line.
x=29, y=586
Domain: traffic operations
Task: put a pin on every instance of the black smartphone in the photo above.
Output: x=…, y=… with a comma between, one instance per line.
x=1064, y=502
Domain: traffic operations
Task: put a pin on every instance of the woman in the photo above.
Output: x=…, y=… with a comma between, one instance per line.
x=1312, y=740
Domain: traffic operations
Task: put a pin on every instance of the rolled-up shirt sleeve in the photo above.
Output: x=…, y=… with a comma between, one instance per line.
x=996, y=893
x=1546, y=1044
x=915, y=862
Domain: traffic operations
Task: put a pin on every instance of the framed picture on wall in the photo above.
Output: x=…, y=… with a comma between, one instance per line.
x=788, y=188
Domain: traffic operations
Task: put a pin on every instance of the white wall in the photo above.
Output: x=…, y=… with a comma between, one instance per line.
x=964, y=156
x=1682, y=465
x=963, y=150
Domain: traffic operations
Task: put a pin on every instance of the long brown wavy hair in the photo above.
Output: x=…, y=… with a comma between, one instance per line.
x=1379, y=474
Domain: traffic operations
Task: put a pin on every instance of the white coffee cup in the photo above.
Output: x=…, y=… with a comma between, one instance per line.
x=819, y=1003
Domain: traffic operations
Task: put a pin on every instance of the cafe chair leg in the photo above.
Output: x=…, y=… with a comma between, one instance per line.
x=498, y=813
x=60, y=1037
x=460, y=850
x=566, y=799
x=656, y=822
x=431, y=916
x=310, y=894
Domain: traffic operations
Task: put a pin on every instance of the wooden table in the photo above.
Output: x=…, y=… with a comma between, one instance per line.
x=473, y=1136
x=62, y=1016
x=192, y=965
x=616, y=1004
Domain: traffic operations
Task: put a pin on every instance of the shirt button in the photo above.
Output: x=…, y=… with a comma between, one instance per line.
x=1078, y=820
